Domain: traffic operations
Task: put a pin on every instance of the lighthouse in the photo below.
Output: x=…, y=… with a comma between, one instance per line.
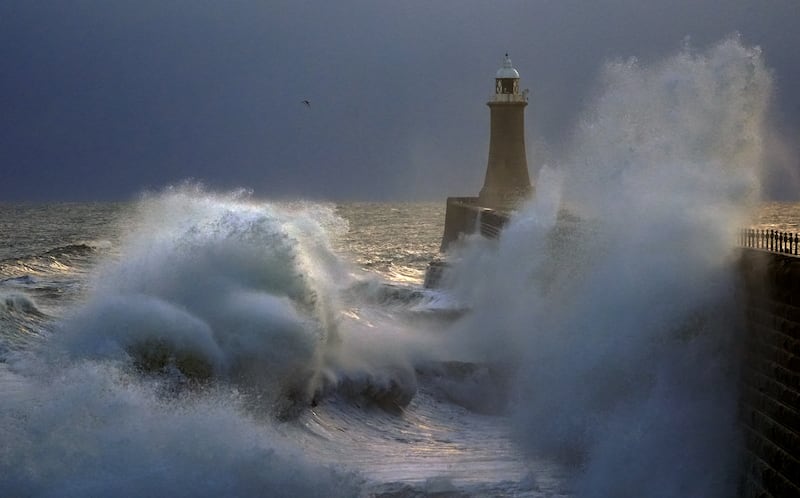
x=507, y=181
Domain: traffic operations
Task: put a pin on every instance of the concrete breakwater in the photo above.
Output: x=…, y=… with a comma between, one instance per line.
x=464, y=216
x=770, y=383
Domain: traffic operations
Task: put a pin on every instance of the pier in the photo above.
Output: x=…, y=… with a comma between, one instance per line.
x=770, y=382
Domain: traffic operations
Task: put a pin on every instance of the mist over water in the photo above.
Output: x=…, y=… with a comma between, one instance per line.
x=619, y=313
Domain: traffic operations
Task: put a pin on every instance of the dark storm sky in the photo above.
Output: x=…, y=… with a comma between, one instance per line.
x=102, y=99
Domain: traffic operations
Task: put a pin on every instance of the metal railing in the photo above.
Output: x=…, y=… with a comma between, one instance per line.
x=490, y=231
x=491, y=223
x=770, y=240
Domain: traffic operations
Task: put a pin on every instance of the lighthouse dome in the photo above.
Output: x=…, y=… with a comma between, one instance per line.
x=507, y=71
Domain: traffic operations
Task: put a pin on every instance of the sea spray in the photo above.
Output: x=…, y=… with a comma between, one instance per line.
x=94, y=429
x=216, y=315
x=219, y=284
x=217, y=293
x=217, y=320
x=619, y=315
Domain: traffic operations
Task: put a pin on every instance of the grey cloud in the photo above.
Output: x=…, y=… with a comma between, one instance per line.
x=100, y=100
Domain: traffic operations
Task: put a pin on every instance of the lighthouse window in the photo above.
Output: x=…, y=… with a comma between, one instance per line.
x=507, y=85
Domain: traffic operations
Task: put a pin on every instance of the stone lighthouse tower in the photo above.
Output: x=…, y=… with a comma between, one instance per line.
x=507, y=181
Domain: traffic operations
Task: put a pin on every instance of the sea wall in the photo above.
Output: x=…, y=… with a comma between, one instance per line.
x=770, y=384
x=464, y=216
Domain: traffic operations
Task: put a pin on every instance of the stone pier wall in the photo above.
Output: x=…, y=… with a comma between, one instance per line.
x=770, y=407
x=464, y=216
x=460, y=219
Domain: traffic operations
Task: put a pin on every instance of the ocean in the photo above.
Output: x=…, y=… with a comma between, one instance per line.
x=232, y=280
x=201, y=343
x=85, y=286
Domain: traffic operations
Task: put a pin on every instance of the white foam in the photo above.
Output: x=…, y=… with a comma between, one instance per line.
x=621, y=324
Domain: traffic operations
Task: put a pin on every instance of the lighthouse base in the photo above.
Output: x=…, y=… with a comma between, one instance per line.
x=506, y=200
x=467, y=215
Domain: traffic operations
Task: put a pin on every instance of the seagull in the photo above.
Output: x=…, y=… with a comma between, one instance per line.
x=307, y=103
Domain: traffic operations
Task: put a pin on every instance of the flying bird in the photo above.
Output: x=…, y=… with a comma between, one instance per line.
x=307, y=103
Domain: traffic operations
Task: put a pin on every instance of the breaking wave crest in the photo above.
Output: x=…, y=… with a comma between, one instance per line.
x=220, y=288
x=218, y=316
